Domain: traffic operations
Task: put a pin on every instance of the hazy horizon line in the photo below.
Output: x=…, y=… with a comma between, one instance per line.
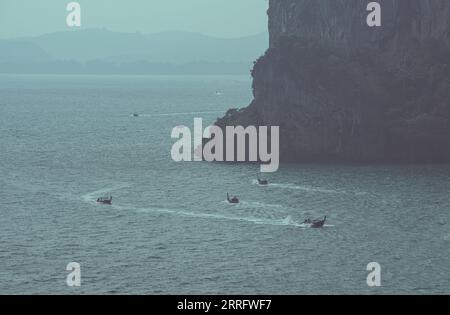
x=105, y=29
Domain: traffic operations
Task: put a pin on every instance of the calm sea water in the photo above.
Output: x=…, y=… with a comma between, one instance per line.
x=64, y=141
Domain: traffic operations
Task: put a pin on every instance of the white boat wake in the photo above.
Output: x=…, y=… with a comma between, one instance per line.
x=253, y=204
x=300, y=187
x=288, y=221
x=179, y=114
x=92, y=196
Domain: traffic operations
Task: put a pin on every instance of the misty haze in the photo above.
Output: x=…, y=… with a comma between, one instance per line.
x=104, y=188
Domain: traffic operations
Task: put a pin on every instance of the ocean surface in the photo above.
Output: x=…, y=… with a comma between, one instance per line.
x=65, y=141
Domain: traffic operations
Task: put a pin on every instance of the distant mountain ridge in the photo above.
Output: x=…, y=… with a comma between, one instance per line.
x=169, y=52
x=21, y=51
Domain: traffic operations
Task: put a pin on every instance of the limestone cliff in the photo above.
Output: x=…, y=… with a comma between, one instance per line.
x=345, y=92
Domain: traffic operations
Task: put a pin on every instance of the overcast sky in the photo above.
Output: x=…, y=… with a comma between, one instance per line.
x=222, y=18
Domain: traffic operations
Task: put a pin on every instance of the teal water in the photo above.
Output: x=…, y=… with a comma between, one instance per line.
x=64, y=141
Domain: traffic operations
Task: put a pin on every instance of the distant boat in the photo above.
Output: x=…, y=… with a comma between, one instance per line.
x=233, y=200
x=135, y=115
x=105, y=201
x=316, y=224
x=263, y=182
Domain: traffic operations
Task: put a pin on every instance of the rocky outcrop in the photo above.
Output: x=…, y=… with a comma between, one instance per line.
x=344, y=92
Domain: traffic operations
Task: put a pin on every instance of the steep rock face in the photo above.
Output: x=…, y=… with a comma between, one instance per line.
x=345, y=20
x=344, y=92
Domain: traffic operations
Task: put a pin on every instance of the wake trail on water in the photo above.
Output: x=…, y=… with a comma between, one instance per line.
x=300, y=187
x=179, y=114
x=92, y=196
x=253, y=204
x=288, y=221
